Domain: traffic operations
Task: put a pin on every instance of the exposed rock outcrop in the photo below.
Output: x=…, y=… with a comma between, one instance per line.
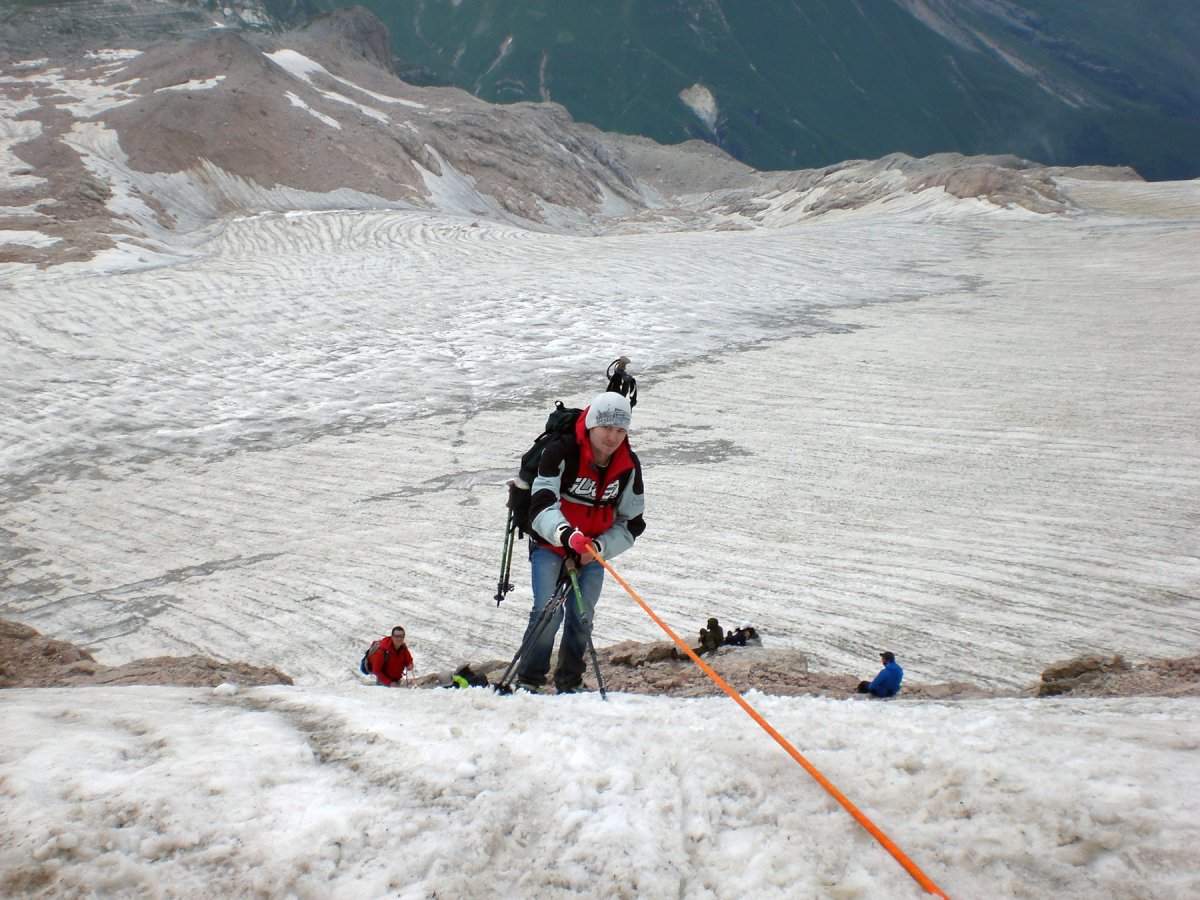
x=350, y=33
x=1065, y=677
x=27, y=659
x=1096, y=675
x=656, y=668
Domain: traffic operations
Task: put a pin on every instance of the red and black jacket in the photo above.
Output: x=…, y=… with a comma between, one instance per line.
x=606, y=504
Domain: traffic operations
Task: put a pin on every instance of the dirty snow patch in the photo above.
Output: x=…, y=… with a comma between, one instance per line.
x=206, y=84
x=27, y=238
x=113, y=55
x=300, y=66
x=700, y=100
x=15, y=173
x=328, y=120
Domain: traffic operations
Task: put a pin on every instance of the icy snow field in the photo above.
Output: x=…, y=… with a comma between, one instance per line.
x=963, y=434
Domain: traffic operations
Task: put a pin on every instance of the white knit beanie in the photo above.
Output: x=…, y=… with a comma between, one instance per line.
x=609, y=408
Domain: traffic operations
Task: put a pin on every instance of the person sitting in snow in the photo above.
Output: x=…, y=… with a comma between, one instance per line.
x=392, y=659
x=887, y=682
x=744, y=633
x=712, y=637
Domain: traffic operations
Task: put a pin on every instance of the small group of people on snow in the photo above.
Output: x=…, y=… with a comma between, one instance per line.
x=713, y=637
x=588, y=494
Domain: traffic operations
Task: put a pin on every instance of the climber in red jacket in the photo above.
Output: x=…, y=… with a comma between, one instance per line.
x=392, y=660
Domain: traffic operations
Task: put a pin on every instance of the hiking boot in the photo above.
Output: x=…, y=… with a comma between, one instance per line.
x=577, y=688
x=529, y=687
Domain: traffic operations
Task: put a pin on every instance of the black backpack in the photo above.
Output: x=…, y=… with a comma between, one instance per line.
x=559, y=423
x=469, y=678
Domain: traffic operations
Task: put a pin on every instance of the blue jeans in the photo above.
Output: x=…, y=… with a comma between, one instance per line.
x=546, y=566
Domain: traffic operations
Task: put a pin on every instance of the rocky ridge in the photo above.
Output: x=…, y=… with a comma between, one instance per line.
x=658, y=669
x=141, y=134
x=28, y=659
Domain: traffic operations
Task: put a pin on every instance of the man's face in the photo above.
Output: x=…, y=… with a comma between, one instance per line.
x=606, y=439
x=398, y=637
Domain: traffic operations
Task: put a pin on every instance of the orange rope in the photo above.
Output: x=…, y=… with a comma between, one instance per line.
x=909, y=866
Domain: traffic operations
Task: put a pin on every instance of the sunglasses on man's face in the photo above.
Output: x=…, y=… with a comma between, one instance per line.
x=399, y=636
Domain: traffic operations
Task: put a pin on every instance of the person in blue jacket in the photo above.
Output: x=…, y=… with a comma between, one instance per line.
x=887, y=682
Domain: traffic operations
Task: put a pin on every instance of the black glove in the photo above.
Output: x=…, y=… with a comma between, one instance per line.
x=563, y=534
x=518, y=502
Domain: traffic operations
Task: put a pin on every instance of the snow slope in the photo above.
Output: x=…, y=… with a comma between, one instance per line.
x=360, y=792
x=962, y=433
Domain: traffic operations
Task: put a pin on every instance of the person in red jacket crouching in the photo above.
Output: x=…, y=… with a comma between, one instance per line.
x=391, y=660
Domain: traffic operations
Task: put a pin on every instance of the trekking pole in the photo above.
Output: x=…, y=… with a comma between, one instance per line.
x=553, y=605
x=503, y=586
x=573, y=571
x=909, y=866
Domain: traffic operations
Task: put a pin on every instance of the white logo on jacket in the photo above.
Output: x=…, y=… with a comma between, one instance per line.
x=586, y=487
